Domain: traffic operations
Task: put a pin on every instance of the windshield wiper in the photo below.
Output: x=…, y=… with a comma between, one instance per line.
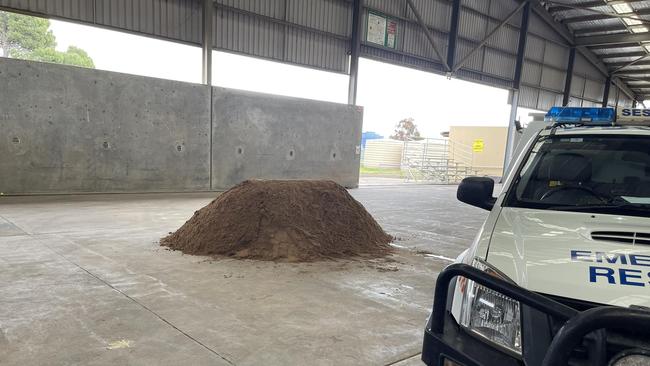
x=618, y=206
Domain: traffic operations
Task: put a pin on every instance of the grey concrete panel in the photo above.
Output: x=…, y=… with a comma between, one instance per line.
x=67, y=129
x=272, y=137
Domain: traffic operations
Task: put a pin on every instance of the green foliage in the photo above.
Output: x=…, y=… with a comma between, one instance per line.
x=406, y=130
x=29, y=38
x=73, y=56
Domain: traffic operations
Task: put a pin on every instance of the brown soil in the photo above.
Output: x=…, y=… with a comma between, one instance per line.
x=295, y=221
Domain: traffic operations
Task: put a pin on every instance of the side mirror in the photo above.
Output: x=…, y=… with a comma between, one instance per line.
x=477, y=191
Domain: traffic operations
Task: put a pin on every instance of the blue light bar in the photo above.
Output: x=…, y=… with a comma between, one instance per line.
x=577, y=115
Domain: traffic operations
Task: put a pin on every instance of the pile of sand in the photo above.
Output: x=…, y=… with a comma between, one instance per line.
x=292, y=221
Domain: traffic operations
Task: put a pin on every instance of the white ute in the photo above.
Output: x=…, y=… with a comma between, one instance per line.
x=570, y=228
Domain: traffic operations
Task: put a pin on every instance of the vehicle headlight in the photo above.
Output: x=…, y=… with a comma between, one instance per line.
x=490, y=314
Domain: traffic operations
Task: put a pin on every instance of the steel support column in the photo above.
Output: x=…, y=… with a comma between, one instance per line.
x=453, y=33
x=206, y=42
x=516, y=84
x=521, y=49
x=608, y=84
x=566, y=98
x=512, y=133
x=355, y=46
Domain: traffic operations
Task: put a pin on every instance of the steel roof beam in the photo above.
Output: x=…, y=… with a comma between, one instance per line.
x=557, y=6
x=584, y=31
x=629, y=63
x=609, y=46
x=561, y=29
x=610, y=39
x=604, y=15
x=621, y=54
x=635, y=72
x=635, y=79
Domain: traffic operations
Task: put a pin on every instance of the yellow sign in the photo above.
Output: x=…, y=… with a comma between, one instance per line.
x=478, y=145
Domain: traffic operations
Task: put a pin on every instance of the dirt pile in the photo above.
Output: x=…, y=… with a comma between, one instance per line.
x=296, y=221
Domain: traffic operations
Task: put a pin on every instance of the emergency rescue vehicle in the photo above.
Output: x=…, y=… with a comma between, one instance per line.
x=559, y=273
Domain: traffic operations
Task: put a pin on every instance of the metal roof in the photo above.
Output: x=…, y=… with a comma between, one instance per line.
x=551, y=52
x=616, y=31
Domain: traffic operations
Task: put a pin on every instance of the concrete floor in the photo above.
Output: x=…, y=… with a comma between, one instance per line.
x=84, y=282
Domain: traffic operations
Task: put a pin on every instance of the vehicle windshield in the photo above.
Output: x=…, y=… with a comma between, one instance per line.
x=588, y=173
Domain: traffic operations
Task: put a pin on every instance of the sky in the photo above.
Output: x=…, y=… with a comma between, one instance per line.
x=388, y=93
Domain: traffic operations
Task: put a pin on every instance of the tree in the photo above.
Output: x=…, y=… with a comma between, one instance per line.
x=29, y=38
x=406, y=130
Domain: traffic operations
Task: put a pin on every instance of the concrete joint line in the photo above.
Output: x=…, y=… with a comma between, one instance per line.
x=139, y=303
x=25, y=232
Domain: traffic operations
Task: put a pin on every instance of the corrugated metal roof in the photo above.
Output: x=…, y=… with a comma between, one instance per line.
x=311, y=33
x=308, y=33
x=590, y=23
x=72, y=9
x=328, y=16
x=316, y=33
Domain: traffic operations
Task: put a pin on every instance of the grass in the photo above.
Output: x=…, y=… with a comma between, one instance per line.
x=381, y=172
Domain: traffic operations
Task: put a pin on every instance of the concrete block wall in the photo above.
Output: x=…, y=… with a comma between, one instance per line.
x=71, y=130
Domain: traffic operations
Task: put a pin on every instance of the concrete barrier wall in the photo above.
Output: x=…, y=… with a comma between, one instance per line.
x=71, y=130
x=264, y=136
x=68, y=129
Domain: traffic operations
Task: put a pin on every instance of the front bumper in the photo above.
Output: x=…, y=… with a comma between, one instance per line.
x=552, y=332
x=456, y=345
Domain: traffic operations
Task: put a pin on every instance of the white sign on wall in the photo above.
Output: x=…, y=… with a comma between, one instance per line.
x=376, y=29
x=381, y=30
